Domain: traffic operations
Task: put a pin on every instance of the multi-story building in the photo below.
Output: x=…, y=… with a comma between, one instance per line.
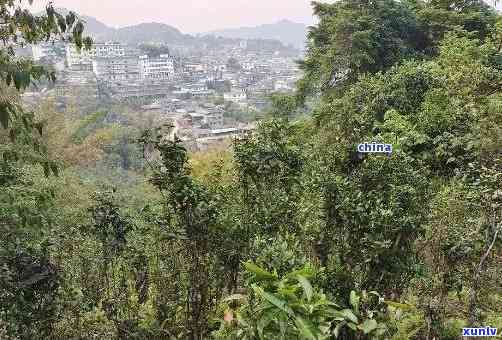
x=140, y=92
x=194, y=67
x=98, y=50
x=213, y=137
x=161, y=68
x=124, y=68
x=109, y=50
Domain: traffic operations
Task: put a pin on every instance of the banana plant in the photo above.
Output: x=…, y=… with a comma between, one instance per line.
x=279, y=308
x=291, y=308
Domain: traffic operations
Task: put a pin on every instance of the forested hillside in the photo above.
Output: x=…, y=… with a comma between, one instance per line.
x=112, y=230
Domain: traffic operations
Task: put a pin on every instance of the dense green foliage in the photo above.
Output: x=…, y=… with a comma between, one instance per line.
x=109, y=232
x=20, y=27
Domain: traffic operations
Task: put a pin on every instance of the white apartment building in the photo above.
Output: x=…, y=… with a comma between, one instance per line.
x=191, y=67
x=98, y=50
x=109, y=50
x=161, y=68
x=124, y=68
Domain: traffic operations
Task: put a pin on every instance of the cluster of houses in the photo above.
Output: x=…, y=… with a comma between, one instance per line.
x=199, y=124
x=183, y=89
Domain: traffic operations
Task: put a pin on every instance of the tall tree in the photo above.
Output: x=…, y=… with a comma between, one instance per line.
x=29, y=281
x=195, y=215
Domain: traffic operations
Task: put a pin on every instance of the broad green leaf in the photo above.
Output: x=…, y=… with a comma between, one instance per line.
x=241, y=319
x=306, y=272
x=381, y=330
x=402, y=306
x=307, y=287
x=354, y=300
x=274, y=300
x=283, y=326
x=264, y=322
x=347, y=314
x=260, y=273
x=368, y=326
x=306, y=328
x=289, y=293
x=327, y=304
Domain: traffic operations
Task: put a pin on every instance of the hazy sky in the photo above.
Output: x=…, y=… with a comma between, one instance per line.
x=190, y=16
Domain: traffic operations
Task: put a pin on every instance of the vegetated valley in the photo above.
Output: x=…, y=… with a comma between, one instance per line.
x=116, y=231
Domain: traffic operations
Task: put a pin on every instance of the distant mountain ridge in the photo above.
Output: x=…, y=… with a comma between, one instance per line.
x=147, y=32
x=134, y=34
x=288, y=32
x=163, y=33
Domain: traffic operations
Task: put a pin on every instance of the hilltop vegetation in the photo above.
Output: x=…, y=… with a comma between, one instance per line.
x=274, y=37
x=113, y=231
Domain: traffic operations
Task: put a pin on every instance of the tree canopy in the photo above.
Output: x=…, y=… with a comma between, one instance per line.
x=112, y=229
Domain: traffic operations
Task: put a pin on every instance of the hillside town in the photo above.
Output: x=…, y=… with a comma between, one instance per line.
x=207, y=96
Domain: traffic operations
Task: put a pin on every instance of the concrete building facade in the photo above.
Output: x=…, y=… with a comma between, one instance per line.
x=125, y=68
x=161, y=68
x=98, y=50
